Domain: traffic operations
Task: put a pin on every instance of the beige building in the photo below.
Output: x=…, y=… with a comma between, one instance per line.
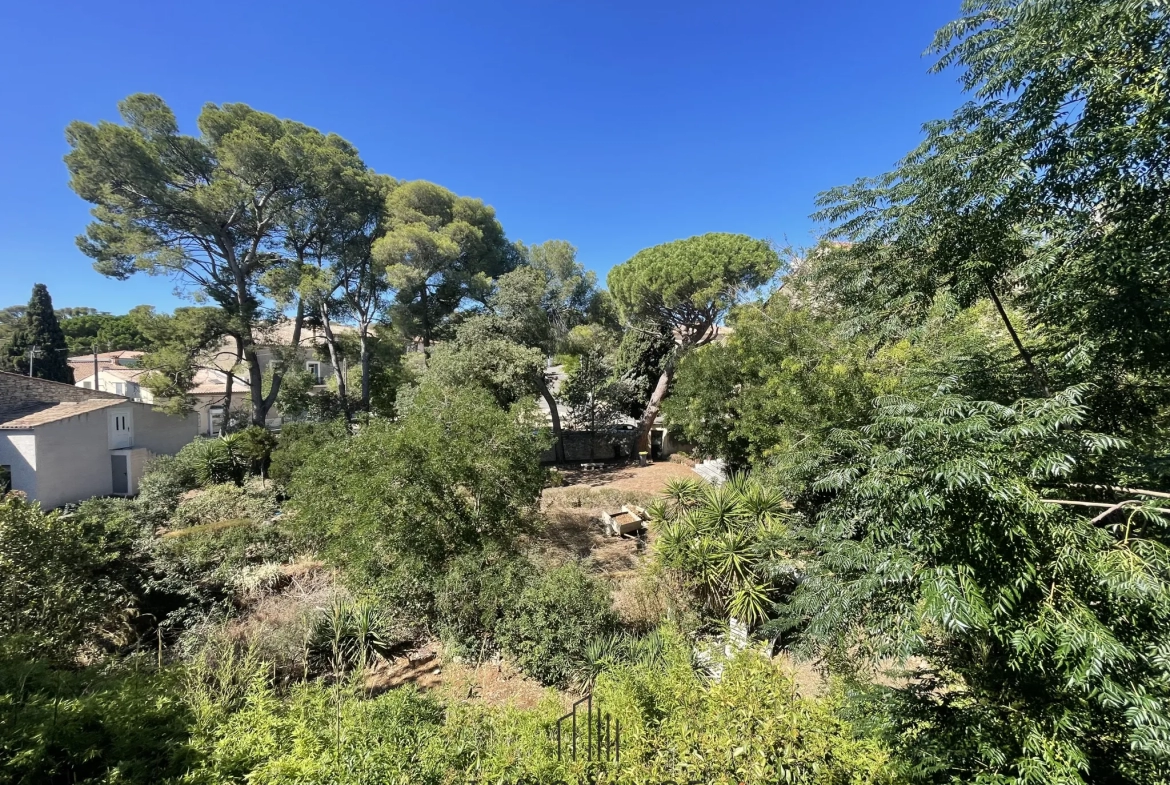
x=61, y=443
x=119, y=373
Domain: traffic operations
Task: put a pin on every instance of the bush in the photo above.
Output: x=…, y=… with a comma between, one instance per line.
x=91, y=726
x=298, y=442
x=166, y=479
x=254, y=501
x=202, y=569
x=553, y=620
x=61, y=586
x=473, y=595
x=453, y=475
x=749, y=726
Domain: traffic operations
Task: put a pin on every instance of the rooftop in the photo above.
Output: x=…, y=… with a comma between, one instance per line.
x=30, y=415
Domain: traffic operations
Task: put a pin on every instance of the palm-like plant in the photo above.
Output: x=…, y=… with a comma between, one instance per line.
x=725, y=541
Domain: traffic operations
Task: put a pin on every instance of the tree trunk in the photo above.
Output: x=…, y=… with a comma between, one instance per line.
x=1024, y=353
x=363, y=329
x=646, y=423
x=339, y=372
x=558, y=444
x=426, y=320
x=228, y=383
x=261, y=403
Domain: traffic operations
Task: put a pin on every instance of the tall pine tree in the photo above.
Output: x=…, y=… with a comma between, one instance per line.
x=39, y=340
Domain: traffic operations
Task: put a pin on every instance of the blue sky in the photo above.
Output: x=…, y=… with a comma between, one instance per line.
x=614, y=126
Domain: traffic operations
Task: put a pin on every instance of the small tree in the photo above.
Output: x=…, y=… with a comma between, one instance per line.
x=454, y=473
x=38, y=342
x=594, y=396
x=688, y=285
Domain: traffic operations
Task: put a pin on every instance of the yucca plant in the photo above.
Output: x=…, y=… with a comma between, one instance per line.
x=600, y=654
x=724, y=540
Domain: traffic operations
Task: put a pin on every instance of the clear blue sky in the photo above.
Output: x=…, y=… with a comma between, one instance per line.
x=614, y=126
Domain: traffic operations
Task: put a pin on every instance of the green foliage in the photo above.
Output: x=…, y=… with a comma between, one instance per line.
x=254, y=501
x=180, y=346
x=107, y=332
x=124, y=725
x=592, y=392
x=933, y=534
x=166, y=479
x=454, y=473
x=298, y=442
x=37, y=340
x=689, y=284
x=57, y=589
x=473, y=595
x=750, y=726
x=483, y=355
x=198, y=570
x=722, y=539
x=438, y=250
x=214, y=210
x=641, y=358
x=553, y=621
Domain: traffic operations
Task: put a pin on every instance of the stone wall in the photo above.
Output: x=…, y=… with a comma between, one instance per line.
x=17, y=391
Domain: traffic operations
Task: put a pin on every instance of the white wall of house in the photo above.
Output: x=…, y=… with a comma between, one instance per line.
x=73, y=455
x=73, y=459
x=18, y=451
x=160, y=433
x=108, y=382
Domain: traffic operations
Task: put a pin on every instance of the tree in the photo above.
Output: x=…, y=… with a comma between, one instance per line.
x=330, y=237
x=453, y=474
x=688, y=285
x=439, y=251
x=183, y=344
x=37, y=347
x=594, y=395
x=86, y=330
x=212, y=211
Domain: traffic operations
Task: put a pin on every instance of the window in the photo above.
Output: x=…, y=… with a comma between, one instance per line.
x=214, y=420
x=120, y=423
x=314, y=370
x=87, y=385
x=5, y=479
x=119, y=388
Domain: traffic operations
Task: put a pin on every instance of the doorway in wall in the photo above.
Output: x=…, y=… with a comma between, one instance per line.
x=120, y=464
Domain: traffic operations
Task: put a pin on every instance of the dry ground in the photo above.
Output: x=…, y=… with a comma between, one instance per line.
x=494, y=683
x=629, y=477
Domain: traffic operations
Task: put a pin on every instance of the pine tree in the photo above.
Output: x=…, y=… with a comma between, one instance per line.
x=39, y=340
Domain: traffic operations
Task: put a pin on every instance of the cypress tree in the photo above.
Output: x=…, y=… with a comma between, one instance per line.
x=39, y=331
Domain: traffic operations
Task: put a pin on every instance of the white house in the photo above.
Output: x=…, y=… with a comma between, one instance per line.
x=119, y=373
x=60, y=443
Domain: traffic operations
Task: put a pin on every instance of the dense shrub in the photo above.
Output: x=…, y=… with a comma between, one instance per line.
x=201, y=568
x=166, y=479
x=127, y=725
x=555, y=617
x=298, y=442
x=455, y=473
x=254, y=501
x=59, y=581
x=750, y=726
x=473, y=595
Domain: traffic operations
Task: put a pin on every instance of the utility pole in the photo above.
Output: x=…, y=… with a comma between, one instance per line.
x=95, y=365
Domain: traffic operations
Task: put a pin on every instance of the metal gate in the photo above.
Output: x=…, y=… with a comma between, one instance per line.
x=600, y=739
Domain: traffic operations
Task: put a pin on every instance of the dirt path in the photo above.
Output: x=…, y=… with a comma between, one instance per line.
x=629, y=477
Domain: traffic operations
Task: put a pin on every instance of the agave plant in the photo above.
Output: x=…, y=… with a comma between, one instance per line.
x=649, y=650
